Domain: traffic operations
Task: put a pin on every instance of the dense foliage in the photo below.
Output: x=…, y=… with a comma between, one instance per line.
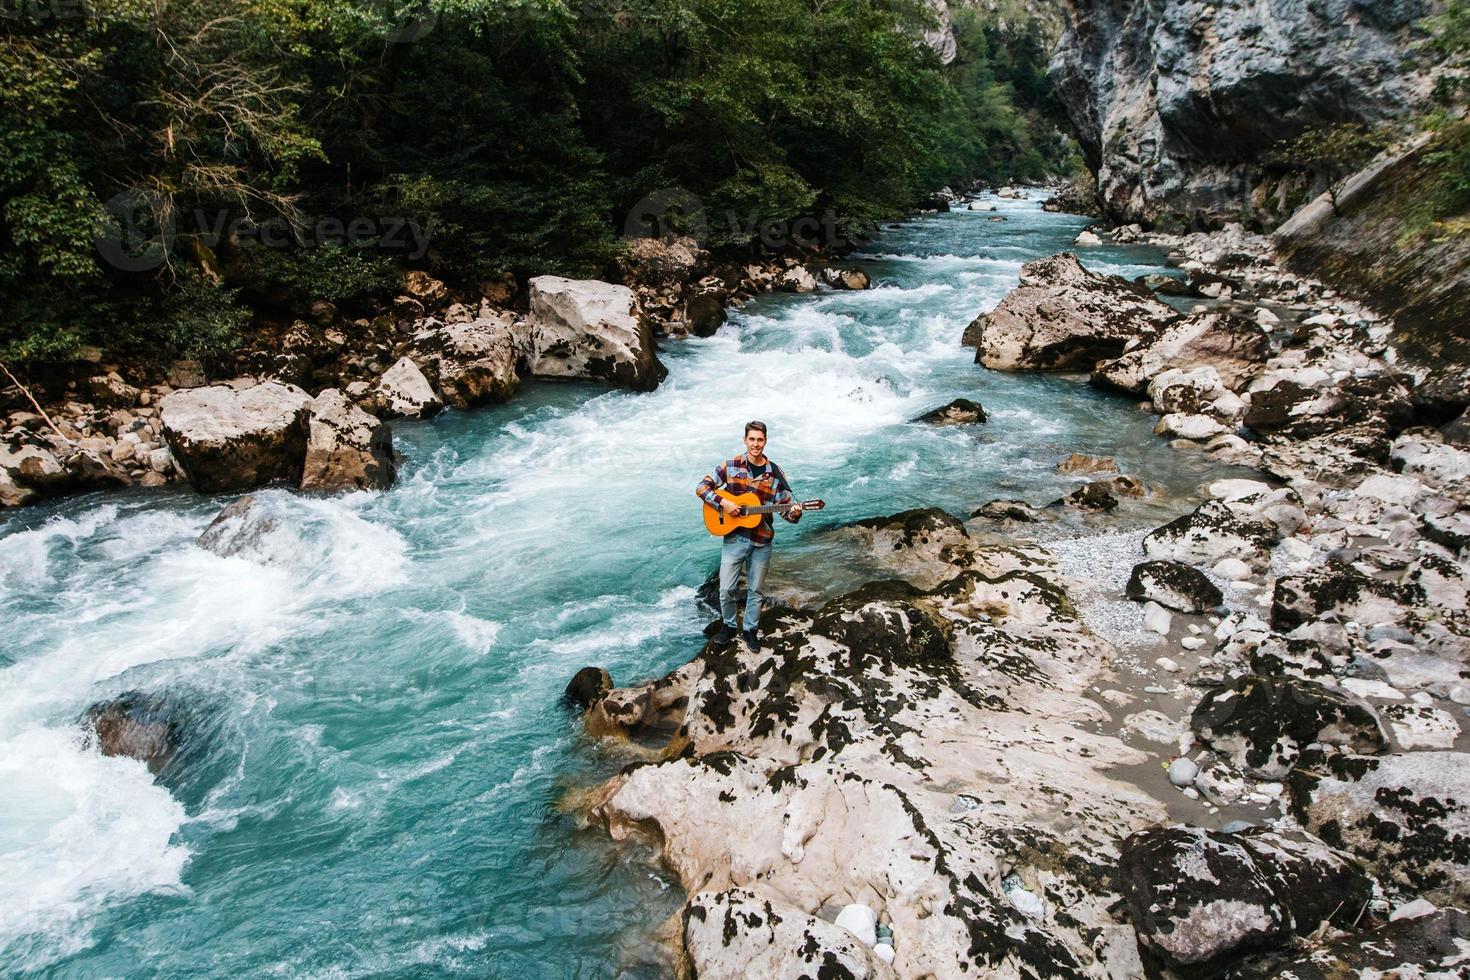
x=253, y=155
x=1444, y=202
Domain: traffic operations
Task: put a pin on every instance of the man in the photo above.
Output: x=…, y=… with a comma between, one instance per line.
x=751, y=472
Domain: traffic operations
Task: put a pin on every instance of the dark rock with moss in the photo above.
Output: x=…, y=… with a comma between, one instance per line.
x=1431, y=945
x=1170, y=583
x=1164, y=285
x=1407, y=816
x=1210, y=532
x=1010, y=510
x=1340, y=589
x=1095, y=497
x=1200, y=899
x=961, y=411
x=1379, y=401
x=1262, y=724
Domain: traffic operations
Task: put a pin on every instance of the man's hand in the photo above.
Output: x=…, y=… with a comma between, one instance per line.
x=795, y=511
x=731, y=507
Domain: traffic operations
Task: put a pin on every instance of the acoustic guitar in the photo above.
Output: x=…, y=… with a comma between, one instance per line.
x=751, y=511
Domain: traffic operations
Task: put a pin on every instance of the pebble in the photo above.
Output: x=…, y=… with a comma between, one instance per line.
x=1460, y=694
x=1191, y=643
x=1372, y=689
x=884, y=952
x=1157, y=619
x=1024, y=901
x=1172, y=666
x=1182, y=772
x=1156, y=689
x=1413, y=910
x=861, y=921
x=1232, y=569
x=1191, y=792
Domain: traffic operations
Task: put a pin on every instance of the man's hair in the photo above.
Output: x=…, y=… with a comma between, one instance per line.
x=758, y=426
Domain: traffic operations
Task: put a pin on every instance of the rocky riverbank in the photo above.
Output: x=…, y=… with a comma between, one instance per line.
x=946, y=773
x=308, y=403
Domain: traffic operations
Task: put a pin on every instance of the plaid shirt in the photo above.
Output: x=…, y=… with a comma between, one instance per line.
x=734, y=476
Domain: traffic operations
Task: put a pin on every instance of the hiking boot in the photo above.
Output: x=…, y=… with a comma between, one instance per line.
x=752, y=641
x=724, y=637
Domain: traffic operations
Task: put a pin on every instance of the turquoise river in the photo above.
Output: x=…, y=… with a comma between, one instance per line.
x=375, y=750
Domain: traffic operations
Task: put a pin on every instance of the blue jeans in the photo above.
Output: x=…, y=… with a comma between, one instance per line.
x=739, y=550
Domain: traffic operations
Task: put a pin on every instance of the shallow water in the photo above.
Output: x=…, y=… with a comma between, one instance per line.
x=376, y=747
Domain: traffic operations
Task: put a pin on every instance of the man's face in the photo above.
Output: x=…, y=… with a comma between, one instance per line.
x=755, y=443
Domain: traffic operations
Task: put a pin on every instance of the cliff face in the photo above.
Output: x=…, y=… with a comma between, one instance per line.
x=1178, y=103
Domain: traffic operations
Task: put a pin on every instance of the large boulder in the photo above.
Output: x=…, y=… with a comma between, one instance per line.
x=227, y=438
x=1407, y=815
x=1377, y=401
x=1232, y=346
x=1262, y=724
x=1344, y=591
x=704, y=313
x=1199, y=898
x=1063, y=317
x=472, y=362
x=346, y=448
x=404, y=392
x=1169, y=583
x=1198, y=391
x=590, y=329
x=33, y=467
x=660, y=261
x=923, y=541
x=1210, y=532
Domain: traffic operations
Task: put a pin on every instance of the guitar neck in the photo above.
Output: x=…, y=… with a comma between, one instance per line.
x=777, y=508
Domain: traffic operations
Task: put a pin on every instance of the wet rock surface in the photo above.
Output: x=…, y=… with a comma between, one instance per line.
x=146, y=727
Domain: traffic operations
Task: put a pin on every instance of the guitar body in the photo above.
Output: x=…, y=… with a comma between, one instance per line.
x=720, y=523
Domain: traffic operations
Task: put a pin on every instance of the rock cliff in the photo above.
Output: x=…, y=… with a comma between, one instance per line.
x=1179, y=104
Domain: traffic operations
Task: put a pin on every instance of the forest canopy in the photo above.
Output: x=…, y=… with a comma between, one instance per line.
x=171, y=168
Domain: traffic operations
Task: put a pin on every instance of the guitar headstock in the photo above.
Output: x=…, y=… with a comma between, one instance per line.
x=813, y=504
